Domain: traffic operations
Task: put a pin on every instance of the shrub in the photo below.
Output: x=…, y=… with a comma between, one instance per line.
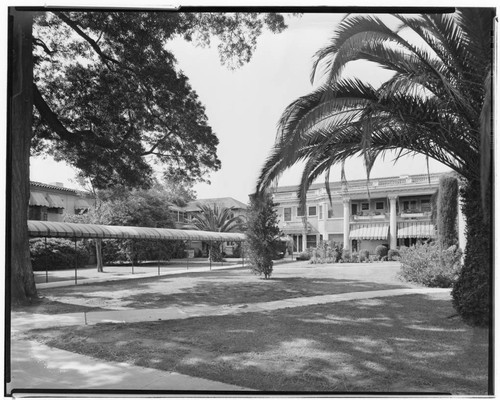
x=364, y=255
x=354, y=257
x=381, y=251
x=428, y=265
x=303, y=256
x=136, y=251
x=346, y=255
x=393, y=255
x=58, y=254
x=326, y=252
x=447, y=211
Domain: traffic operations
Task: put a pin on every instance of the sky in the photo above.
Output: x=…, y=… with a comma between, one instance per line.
x=244, y=105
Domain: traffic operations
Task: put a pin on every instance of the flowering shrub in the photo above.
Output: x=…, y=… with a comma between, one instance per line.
x=326, y=252
x=364, y=255
x=430, y=266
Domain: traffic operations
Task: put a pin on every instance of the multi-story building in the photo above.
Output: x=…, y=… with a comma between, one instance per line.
x=390, y=211
x=50, y=202
x=184, y=215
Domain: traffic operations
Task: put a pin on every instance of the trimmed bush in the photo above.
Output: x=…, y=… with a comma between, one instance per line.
x=428, y=265
x=381, y=251
x=393, y=255
x=304, y=256
x=346, y=255
x=364, y=255
x=58, y=254
x=447, y=211
x=354, y=257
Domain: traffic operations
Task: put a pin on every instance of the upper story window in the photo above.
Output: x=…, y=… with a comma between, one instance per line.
x=300, y=212
x=330, y=212
x=425, y=205
x=410, y=205
x=287, y=213
x=365, y=206
x=379, y=205
x=320, y=212
x=312, y=211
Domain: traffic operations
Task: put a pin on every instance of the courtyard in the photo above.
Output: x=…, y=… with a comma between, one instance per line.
x=333, y=328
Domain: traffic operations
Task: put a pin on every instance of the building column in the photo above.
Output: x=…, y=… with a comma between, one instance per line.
x=347, y=217
x=392, y=223
x=304, y=241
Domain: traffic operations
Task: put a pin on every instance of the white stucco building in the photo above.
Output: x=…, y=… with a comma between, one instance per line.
x=392, y=211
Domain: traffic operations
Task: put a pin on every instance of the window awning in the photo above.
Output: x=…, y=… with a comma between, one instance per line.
x=55, y=201
x=81, y=204
x=297, y=228
x=416, y=230
x=369, y=231
x=38, y=199
x=72, y=230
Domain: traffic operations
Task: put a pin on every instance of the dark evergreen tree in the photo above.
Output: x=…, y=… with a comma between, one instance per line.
x=447, y=211
x=262, y=234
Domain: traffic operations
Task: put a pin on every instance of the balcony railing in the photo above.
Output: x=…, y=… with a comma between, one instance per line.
x=415, y=214
x=369, y=216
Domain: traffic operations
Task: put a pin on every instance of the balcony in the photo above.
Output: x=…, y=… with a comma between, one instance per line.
x=369, y=216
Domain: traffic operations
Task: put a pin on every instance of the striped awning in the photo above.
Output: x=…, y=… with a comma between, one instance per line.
x=55, y=201
x=416, y=230
x=81, y=204
x=369, y=231
x=38, y=199
x=72, y=230
x=297, y=228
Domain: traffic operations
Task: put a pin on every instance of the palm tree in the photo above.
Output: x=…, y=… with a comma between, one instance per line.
x=216, y=219
x=437, y=102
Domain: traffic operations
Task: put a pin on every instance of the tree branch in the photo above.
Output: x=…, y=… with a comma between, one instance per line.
x=51, y=119
x=73, y=25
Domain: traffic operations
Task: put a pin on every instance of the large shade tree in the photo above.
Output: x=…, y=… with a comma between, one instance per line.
x=437, y=102
x=109, y=100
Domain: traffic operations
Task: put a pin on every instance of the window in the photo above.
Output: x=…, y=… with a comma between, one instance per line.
x=426, y=205
x=320, y=212
x=300, y=212
x=287, y=211
x=365, y=206
x=312, y=211
x=379, y=205
x=330, y=212
x=311, y=241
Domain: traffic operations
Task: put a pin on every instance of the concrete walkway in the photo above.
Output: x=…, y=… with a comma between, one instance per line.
x=36, y=366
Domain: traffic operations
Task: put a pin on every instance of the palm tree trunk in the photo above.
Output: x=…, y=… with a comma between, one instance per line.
x=472, y=293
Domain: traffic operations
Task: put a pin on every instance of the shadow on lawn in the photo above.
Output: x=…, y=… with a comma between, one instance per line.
x=397, y=344
x=230, y=292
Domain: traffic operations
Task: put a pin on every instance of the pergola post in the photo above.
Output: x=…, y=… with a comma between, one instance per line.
x=46, y=263
x=221, y=248
x=210, y=254
x=76, y=264
x=159, y=251
x=187, y=254
x=242, y=255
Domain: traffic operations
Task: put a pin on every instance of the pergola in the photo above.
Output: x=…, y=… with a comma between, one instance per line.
x=90, y=231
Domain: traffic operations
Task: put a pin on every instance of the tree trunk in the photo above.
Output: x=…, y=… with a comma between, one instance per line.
x=472, y=293
x=98, y=254
x=19, y=139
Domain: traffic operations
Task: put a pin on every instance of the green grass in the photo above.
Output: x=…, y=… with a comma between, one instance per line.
x=216, y=288
x=395, y=344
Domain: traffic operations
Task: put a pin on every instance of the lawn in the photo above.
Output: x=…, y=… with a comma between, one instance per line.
x=238, y=286
x=398, y=344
